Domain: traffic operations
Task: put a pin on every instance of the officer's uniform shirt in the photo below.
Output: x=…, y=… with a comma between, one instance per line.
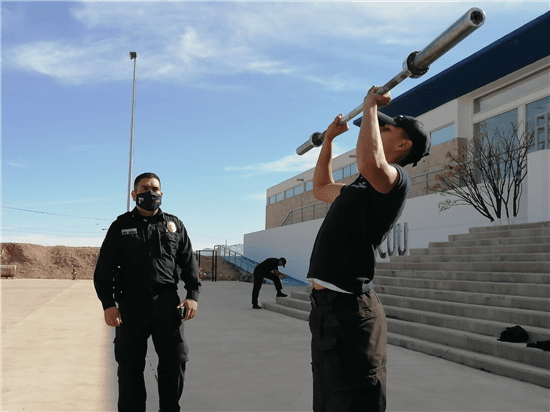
x=147, y=252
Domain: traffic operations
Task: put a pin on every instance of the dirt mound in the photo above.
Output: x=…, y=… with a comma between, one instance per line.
x=49, y=262
x=57, y=262
x=225, y=270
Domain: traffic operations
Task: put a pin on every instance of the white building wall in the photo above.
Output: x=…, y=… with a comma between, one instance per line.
x=442, y=116
x=293, y=242
x=538, y=186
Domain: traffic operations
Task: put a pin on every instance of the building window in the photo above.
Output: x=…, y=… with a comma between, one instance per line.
x=338, y=175
x=347, y=171
x=538, y=121
x=443, y=135
x=289, y=193
x=298, y=190
x=503, y=123
x=279, y=197
x=488, y=132
x=272, y=199
x=353, y=169
x=512, y=92
x=309, y=186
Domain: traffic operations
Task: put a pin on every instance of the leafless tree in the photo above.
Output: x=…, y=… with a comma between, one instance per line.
x=487, y=173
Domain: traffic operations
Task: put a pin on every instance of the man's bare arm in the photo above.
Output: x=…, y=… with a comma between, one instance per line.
x=324, y=187
x=371, y=160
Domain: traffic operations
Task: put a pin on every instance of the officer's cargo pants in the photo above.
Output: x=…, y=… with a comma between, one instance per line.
x=158, y=317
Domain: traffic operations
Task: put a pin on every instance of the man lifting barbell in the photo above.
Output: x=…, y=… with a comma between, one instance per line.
x=347, y=321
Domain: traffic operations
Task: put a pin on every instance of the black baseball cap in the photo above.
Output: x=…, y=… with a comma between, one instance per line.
x=421, y=140
x=283, y=260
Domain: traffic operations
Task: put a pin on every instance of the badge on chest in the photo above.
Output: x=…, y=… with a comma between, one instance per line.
x=129, y=231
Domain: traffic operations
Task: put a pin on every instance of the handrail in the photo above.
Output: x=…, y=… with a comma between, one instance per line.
x=290, y=215
x=300, y=210
x=249, y=265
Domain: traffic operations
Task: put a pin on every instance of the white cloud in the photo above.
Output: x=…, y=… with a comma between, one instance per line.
x=291, y=163
x=257, y=197
x=71, y=64
x=195, y=42
x=20, y=165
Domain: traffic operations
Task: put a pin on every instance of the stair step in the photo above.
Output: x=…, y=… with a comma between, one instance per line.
x=300, y=295
x=529, y=267
x=533, y=240
x=510, y=227
x=521, y=296
x=508, y=315
x=501, y=366
x=453, y=299
x=523, y=258
x=515, y=352
x=482, y=250
x=515, y=370
x=285, y=310
x=477, y=326
x=294, y=303
x=459, y=275
x=505, y=233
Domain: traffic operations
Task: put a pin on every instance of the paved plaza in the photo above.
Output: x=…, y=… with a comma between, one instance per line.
x=57, y=355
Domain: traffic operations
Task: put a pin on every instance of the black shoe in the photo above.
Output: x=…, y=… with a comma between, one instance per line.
x=281, y=295
x=256, y=307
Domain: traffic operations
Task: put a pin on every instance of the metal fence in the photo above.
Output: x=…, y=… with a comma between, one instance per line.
x=213, y=255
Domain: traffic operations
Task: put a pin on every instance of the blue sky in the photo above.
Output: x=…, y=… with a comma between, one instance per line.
x=226, y=92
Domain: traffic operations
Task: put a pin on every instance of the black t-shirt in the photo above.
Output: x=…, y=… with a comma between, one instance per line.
x=355, y=225
x=267, y=265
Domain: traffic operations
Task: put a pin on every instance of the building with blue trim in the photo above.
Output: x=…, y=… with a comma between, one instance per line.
x=506, y=82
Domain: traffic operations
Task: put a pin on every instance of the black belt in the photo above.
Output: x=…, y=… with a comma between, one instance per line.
x=325, y=296
x=144, y=290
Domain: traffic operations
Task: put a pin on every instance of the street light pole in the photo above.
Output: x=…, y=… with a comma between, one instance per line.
x=133, y=56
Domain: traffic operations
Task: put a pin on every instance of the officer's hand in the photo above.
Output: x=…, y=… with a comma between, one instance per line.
x=191, y=307
x=112, y=316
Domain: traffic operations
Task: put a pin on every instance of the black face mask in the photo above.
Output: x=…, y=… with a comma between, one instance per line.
x=149, y=201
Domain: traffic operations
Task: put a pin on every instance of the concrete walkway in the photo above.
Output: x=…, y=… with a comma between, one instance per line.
x=57, y=355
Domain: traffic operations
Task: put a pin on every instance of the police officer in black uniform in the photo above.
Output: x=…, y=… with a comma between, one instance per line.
x=144, y=255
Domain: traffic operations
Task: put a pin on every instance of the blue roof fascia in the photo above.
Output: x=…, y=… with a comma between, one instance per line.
x=518, y=49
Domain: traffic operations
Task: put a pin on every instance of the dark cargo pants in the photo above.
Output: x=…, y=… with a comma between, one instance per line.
x=348, y=350
x=259, y=280
x=158, y=317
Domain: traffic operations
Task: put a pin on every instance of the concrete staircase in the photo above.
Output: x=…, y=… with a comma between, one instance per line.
x=453, y=299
